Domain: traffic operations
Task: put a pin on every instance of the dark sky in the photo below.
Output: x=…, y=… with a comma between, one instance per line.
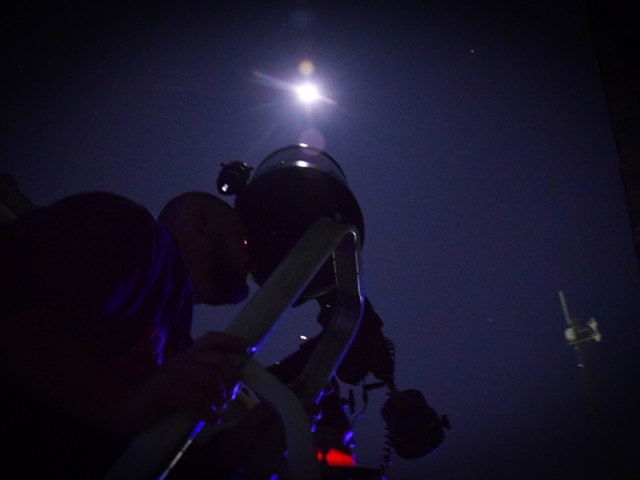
x=476, y=138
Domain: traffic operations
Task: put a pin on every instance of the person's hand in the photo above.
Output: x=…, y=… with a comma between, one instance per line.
x=311, y=407
x=231, y=449
x=202, y=380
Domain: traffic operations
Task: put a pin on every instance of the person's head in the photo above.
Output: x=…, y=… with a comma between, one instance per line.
x=212, y=240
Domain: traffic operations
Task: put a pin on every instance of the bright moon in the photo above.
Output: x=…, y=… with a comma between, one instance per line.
x=307, y=93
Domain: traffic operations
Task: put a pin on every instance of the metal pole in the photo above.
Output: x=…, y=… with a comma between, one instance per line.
x=579, y=337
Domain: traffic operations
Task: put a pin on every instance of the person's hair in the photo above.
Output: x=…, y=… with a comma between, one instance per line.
x=187, y=201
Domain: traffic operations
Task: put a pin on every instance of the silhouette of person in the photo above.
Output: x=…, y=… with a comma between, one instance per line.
x=96, y=308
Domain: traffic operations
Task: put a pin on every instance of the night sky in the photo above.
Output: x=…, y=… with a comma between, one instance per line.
x=476, y=138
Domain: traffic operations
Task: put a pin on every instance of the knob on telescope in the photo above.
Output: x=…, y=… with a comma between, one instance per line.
x=233, y=177
x=416, y=428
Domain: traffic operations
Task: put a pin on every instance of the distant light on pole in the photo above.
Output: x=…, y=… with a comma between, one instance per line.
x=577, y=334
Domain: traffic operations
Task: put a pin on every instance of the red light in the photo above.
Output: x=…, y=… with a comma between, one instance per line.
x=336, y=458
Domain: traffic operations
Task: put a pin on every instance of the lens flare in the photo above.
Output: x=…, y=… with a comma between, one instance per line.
x=307, y=93
x=306, y=68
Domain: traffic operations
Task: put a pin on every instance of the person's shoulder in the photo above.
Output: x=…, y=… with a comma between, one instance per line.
x=81, y=213
x=104, y=210
x=99, y=201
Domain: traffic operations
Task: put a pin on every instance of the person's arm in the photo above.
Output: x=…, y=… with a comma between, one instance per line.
x=227, y=452
x=43, y=361
x=234, y=449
